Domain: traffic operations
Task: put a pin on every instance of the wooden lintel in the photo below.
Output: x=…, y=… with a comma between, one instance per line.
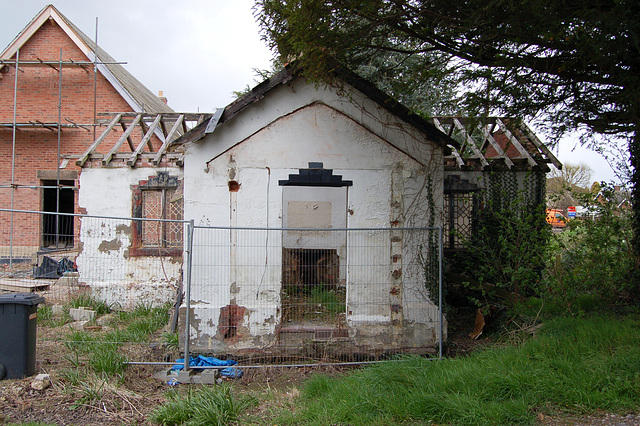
x=114, y=149
x=168, y=139
x=97, y=142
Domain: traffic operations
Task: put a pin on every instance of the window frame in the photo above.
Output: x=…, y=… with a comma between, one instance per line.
x=161, y=182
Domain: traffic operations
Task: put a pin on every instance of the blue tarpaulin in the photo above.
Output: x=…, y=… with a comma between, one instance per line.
x=204, y=361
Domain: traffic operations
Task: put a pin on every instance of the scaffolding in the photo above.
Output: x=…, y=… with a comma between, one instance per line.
x=166, y=126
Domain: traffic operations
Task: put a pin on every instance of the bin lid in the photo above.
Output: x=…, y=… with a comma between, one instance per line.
x=20, y=299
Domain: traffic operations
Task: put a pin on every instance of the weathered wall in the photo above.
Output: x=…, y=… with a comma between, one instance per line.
x=391, y=166
x=105, y=263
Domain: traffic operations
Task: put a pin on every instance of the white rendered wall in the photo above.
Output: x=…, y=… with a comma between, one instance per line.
x=104, y=262
x=275, y=138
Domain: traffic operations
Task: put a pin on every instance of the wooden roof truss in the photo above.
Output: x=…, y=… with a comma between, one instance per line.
x=494, y=140
x=166, y=126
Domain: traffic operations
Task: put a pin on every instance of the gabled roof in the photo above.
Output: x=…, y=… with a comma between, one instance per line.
x=290, y=72
x=132, y=91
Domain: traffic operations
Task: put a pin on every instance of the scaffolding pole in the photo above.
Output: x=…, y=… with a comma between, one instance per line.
x=58, y=158
x=13, y=156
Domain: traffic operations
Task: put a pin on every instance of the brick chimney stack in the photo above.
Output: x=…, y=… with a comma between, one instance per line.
x=161, y=96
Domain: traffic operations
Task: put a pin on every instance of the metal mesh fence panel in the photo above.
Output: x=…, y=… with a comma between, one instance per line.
x=100, y=250
x=262, y=296
x=128, y=296
x=294, y=295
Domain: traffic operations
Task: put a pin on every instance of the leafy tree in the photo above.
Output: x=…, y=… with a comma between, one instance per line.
x=593, y=257
x=574, y=174
x=563, y=185
x=576, y=64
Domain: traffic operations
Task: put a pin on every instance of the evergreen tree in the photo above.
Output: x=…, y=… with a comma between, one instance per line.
x=574, y=63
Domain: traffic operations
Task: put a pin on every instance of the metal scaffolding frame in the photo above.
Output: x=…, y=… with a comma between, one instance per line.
x=56, y=126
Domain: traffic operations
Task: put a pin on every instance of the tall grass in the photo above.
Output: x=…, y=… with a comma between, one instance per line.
x=203, y=406
x=83, y=299
x=579, y=365
x=102, y=351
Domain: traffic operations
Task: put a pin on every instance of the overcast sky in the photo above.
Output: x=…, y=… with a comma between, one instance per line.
x=196, y=51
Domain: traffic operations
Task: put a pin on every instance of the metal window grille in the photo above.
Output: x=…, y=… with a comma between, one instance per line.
x=459, y=208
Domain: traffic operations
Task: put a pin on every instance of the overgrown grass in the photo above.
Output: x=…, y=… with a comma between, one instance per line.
x=202, y=406
x=101, y=352
x=140, y=323
x=331, y=301
x=46, y=317
x=574, y=364
x=87, y=300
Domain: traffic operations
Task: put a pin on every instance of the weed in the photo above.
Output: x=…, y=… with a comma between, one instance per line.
x=80, y=341
x=87, y=300
x=90, y=392
x=106, y=359
x=72, y=376
x=203, y=406
x=172, y=340
x=47, y=318
x=45, y=313
x=330, y=300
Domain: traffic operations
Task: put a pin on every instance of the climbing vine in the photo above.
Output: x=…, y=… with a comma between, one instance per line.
x=506, y=250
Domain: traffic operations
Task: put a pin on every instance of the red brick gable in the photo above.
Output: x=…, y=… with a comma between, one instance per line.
x=37, y=97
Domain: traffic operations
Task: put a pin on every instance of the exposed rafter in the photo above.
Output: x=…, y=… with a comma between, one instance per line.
x=494, y=141
x=165, y=127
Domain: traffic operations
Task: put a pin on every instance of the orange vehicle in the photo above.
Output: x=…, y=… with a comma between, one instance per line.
x=556, y=219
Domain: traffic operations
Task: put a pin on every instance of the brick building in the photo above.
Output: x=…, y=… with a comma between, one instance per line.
x=56, y=91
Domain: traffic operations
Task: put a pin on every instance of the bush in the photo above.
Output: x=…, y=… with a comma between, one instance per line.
x=506, y=253
x=592, y=263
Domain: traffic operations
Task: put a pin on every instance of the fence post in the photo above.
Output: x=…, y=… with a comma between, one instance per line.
x=440, y=285
x=187, y=314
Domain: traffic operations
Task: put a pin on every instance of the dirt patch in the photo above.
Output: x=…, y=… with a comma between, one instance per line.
x=79, y=396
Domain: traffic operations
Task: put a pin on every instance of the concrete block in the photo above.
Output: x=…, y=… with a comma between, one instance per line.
x=207, y=377
x=82, y=314
x=185, y=376
x=78, y=325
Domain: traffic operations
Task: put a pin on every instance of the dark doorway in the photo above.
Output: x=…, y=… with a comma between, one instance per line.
x=310, y=287
x=57, y=230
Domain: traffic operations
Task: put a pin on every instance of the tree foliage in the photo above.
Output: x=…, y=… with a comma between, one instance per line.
x=576, y=64
x=564, y=185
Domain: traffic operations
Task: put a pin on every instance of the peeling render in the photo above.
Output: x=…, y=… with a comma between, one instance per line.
x=105, y=263
x=389, y=189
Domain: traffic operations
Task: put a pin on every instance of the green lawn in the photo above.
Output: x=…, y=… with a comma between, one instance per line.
x=575, y=365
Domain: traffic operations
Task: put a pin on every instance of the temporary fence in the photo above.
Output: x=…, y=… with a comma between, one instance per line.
x=262, y=296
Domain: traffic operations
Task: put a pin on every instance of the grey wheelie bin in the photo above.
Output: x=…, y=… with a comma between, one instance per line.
x=18, y=320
